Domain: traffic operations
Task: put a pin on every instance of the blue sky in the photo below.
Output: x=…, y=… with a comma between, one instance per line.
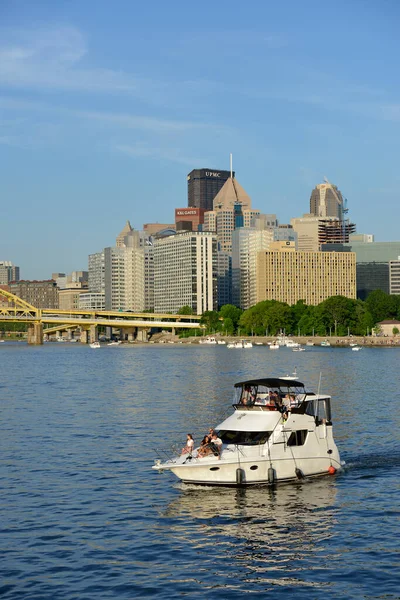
x=106, y=106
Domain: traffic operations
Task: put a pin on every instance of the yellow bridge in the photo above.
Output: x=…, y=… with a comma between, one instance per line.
x=134, y=325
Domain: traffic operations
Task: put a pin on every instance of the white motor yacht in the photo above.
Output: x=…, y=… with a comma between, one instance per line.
x=95, y=345
x=209, y=340
x=273, y=346
x=278, y=432
x=117, y=343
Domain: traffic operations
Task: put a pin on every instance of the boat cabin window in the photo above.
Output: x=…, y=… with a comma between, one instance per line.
x=245, y=438
x=320, y=409
x=297, y=438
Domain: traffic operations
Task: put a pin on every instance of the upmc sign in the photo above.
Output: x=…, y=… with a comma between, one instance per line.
x=213, y=174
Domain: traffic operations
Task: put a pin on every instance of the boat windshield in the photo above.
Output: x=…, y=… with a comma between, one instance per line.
x=244, y=438
x=258, y=392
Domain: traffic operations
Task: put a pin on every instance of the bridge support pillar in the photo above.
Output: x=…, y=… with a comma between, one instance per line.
x=35, y=334
x=173, y=331
x=93, y=334
x=142, y=334
x=84, y=336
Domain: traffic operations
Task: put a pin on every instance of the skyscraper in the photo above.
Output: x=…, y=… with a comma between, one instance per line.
x=327, y=201
x=204, y=185
x=185, y=272
x=8, y=272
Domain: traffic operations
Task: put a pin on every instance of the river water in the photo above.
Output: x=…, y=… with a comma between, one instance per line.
x=82, y=515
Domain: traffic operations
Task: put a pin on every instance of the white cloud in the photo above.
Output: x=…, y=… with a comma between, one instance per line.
x=53, y=58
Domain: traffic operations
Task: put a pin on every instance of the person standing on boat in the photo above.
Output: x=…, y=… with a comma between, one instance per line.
x=188, y=449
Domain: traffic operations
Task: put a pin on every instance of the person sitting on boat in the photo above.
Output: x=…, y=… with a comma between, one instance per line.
x=216, y=444
x=204, y=448
x=272, y=400
x=188, y=449
x=248, y=396
x=293, y=401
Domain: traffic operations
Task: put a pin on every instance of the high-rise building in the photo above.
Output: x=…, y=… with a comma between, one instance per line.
x=309, y=276
x=194, y=215
x=185, y=272
x=8, y=272
x=246, y=244
x=372, y=264
x=224, y=278
x=96, y=273
x=41, y=294
x=204, y=185
x=121, y=236
x=232, y=210
x=313, y=231
x=327, y=201
x=114, y=278
x=394, y=276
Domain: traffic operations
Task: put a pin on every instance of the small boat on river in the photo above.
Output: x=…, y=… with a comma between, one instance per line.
x=278, y=432
x=95, y=345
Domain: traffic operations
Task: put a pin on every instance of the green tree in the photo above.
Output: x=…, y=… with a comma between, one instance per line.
x=185, y=310
x=395, y=331
x=337, y=313
x=381, y=306
x=210, y=319
x=229, y=311
x=228, y=327
x=298, y=310
x=278, y=317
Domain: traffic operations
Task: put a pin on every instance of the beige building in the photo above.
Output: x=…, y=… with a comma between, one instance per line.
x=313, y=231
x=120, y=241
x=309, y=276
x=231, y=210
x=68, y=299
x=386, y=327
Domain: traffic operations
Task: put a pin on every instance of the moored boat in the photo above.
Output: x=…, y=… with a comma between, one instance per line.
x=278, y=432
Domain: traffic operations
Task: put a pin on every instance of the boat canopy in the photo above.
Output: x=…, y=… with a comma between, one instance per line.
x=272, y=382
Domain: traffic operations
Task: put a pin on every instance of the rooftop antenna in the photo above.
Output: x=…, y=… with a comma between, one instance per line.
x=230, y=160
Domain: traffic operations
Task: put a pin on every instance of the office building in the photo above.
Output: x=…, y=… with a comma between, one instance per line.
x=92, y=301
x=310, y=276
x=193, y=215
x=8, y=272
x=204, y=185
x=96, y=281
x=224, y=278
x=41, y=294
x=232, y=210
x=68, y=299
x=366, y=238
x=246, y=244
x=394, y=276
x=313, y=232
x=185, y=272
x=327, y=201
x=120, y=241
x=372, y=264
x=114, y=278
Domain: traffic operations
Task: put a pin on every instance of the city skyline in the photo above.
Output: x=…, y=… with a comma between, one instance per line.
x=99, y=124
